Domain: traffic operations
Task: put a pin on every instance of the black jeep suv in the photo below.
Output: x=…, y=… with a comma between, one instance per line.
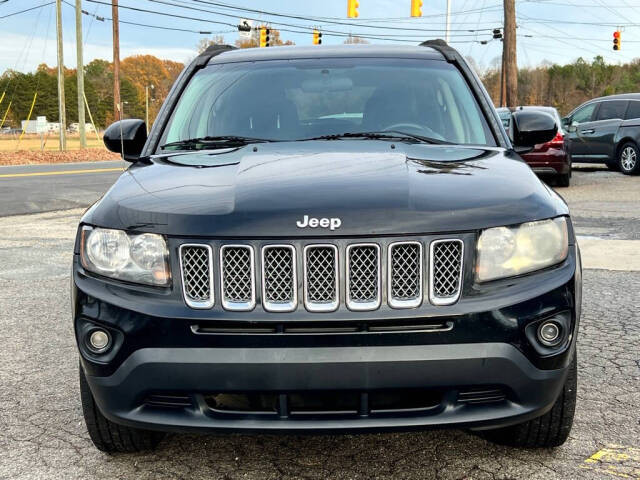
x=327, y=239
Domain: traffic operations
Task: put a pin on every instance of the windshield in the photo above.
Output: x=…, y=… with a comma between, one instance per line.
x=296, y=100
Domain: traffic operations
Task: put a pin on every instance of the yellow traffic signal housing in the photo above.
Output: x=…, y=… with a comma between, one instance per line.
x=616, y=39
x=352, y=8
x=264, y=36
x=317, y=37
x=416, y=8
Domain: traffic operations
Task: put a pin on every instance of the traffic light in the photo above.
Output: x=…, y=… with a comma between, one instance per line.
x=616, y=40
x=317, y=37
x=416, y=8
x=352, y=8
x=264, y=36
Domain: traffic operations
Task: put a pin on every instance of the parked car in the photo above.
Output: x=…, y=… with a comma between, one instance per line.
x=548, y=158
x=606, y=130
x=335, y=238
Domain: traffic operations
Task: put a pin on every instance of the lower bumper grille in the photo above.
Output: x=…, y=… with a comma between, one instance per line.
x=321, y=403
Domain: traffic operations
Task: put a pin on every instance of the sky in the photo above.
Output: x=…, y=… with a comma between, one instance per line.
x=553, y=31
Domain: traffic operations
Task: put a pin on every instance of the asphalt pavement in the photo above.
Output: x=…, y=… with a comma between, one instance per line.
x=43, y=188
x=42, y=434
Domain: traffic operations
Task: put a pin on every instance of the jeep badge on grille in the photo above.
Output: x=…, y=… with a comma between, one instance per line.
x=330, y=223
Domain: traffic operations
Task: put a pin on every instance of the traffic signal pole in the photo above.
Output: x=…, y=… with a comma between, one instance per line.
x=61, y=108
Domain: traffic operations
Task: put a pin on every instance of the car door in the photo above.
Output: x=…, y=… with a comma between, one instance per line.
x=579, y=120
x=599, y=136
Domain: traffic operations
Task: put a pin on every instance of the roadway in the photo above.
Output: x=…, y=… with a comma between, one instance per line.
x=43, y=188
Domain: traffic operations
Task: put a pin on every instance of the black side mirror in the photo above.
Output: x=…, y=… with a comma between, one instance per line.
x=530, y=127
x=126, y=137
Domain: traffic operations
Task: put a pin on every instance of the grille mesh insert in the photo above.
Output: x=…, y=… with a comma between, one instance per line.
x=364, y=272
x=279, y=275
x=321, y=274
x=405, y=271
x=196, y=274
x=447, y=266
x=237, y=278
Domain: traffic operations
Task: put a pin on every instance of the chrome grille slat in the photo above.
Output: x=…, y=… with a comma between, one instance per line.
x=237, y=277
x=196, y=266
x=363, y=276
x=279, y=279
x=405, y=274
x=321, y=278
x=324, y=267
x=445, y=272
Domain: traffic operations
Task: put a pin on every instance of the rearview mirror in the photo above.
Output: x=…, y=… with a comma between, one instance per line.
x=530, y=127
x=126, y=137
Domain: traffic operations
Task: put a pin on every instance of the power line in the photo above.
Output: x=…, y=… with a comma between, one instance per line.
x=26, y=10
x=302, y=29
x=310, y=19
x=334, y=20
x=146, y=25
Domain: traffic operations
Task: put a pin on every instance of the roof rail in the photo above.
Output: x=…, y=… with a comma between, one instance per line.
x=210, y=52
x=450, y=54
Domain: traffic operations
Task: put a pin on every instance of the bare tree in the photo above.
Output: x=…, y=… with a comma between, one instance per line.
x=352, y=40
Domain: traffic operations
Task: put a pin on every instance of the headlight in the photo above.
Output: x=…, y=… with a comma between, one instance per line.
x=132, y=258
x=509, y=251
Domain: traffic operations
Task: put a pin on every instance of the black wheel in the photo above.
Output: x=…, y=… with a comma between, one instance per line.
x=563, y=180
x=614, y=166
x=628, y=161
x=551, y=429
x=108, y=436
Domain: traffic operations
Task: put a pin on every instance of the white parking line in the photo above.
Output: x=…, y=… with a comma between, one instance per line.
x=621, y=255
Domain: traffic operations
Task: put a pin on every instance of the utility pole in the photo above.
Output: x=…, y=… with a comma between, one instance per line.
x=509, y=54
x=447, y=35
x=80, y=75
x=116, y=60
x=146, y=98
x=61, y=109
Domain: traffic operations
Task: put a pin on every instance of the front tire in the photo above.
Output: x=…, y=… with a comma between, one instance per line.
x=629, y=159
x=551, y=429
x=563, y=180
x=108, y=436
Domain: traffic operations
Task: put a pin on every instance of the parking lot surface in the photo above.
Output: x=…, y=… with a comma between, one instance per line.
x=42, y=434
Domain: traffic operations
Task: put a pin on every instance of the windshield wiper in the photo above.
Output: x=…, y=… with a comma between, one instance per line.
x=222, y=140
x=386, y=135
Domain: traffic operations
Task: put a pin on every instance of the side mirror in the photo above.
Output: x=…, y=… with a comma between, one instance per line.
x=126, y=137
x=530, y=127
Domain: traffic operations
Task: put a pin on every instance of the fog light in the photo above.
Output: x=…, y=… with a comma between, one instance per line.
x=99, y=340
x=549, y=334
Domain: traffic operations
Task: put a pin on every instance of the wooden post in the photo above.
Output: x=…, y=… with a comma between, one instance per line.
x=509, y=53
x=116, y=60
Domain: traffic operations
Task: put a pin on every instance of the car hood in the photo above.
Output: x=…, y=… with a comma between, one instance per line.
x=373, y=187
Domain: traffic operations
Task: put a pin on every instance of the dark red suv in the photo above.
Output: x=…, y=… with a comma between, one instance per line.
x=547, y=158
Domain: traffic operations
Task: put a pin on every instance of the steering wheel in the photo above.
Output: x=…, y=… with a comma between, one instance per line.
x=423, y=130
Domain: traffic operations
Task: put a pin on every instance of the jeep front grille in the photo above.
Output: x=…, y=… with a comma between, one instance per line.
x=324, y=267
x=279, y=284
x=321, y=278
x=405, y=274
x=237, y=279
x=196, y=264
x=445, y=271
x=363, y=276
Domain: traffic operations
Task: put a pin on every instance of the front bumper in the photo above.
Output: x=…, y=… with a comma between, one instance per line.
x=451, y=370
x=484, y=348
